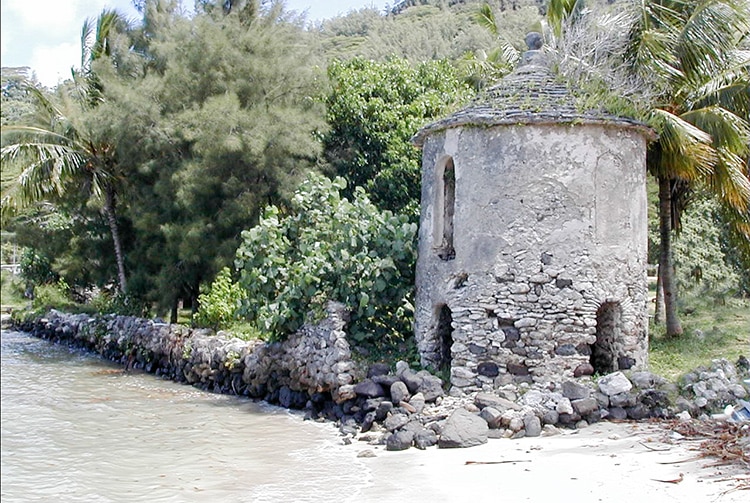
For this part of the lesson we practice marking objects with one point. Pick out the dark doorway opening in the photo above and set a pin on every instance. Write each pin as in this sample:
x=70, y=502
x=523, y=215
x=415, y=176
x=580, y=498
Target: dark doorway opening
x=605, y=350
x=444, y=335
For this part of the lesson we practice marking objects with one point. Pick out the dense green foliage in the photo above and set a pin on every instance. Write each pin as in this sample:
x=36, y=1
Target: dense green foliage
x=329, y=248
x=221, y=302
x=701, y=263
x=374, y=109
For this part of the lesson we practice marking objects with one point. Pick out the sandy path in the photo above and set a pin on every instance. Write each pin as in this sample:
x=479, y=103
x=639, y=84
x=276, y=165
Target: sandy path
x=606, y=462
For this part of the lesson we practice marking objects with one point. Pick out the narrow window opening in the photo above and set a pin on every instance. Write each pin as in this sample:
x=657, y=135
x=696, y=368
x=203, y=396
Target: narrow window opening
x=605, y=350
x=444, y=210
x=444, y=335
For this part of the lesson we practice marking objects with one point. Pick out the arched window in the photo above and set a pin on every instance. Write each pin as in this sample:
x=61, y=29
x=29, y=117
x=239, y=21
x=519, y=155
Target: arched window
x=445, y=203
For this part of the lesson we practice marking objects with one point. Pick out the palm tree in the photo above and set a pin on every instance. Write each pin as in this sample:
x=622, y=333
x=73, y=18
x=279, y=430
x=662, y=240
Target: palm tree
x=692, y=85
x=59, y=156
x=690, y=52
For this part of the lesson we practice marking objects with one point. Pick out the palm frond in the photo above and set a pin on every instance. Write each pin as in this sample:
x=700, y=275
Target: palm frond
x=726, y=129
x=47, y=168
x=711, y=33
x=686, y=150
x=729, y=181
x=728, y=87
x=485, y=17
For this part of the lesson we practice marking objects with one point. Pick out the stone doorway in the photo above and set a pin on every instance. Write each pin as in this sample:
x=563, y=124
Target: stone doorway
x=444, y=336
x=604, y=351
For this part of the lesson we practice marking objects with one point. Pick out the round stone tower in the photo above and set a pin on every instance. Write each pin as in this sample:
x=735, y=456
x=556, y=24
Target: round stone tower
x=532, y=244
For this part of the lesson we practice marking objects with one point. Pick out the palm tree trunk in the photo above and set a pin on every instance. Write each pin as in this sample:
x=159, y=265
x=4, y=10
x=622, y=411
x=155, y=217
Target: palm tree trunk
x=666, y=270
x=659, y=301
x=109, y=209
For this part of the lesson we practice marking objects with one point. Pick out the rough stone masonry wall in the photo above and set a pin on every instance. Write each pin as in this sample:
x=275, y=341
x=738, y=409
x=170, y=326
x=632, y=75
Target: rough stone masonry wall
x=315, y=363
x=549, y=228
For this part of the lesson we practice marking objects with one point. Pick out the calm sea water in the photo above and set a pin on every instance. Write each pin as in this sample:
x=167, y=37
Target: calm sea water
x=78, y=429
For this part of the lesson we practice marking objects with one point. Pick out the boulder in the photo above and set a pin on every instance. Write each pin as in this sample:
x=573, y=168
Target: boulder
x=399, y=392
x=412, y=380
x=617, y=414
x=399, y=440
x=378, y=369
x=564, y=406
x=396, y=421
x=574, y=390
x=463, y=429
x=614, y=383
x=431, y=388
x=585, y=406
x=369, y=389
x=386, y=380
x=418, y=402
x=644, y=380
x=532, y=425
x=492, y=416
x=483, y=400
x=425, y=438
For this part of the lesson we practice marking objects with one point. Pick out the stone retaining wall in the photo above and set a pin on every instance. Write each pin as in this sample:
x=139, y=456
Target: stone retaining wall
x=315, y=363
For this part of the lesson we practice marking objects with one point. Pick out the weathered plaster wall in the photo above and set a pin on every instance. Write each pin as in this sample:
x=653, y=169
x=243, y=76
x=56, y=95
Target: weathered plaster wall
x=549, y=224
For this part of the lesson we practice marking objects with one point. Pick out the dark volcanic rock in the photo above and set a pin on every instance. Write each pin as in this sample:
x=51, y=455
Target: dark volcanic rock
x=425, y=438
x=574, y=390
x=399, y=440
x=369, y=389
x=431, y=388
x=412, y=380
x=378, y=369
x=386, y=380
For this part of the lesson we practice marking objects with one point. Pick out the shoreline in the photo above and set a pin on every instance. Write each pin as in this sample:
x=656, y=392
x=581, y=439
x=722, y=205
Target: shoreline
x=607, y=461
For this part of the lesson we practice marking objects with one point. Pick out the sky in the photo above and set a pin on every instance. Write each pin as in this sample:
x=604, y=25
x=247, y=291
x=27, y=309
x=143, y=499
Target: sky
x=45, y=35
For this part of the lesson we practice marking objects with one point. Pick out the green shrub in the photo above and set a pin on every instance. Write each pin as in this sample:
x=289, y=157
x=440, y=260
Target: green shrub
x=52, y=296
x=327, y=248
x=118, y=303
x=36, y=268
x=220, y=303
x=12, y=289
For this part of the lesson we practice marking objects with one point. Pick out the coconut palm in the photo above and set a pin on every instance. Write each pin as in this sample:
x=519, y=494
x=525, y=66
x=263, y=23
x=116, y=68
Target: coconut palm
x=686, y=74
x=59, y=156
x=690, y=52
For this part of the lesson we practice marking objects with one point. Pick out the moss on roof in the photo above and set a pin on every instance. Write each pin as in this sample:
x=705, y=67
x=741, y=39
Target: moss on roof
x=529, y=95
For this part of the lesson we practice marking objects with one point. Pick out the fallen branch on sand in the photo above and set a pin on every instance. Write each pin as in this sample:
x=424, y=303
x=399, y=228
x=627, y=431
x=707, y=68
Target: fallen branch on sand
x=498, y=462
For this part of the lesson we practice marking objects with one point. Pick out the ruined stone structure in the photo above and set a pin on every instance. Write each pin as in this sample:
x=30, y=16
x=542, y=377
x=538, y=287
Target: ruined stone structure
x=532, y=245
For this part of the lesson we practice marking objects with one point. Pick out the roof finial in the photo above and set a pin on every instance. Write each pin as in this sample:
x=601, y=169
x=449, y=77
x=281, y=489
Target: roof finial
x=534, y=42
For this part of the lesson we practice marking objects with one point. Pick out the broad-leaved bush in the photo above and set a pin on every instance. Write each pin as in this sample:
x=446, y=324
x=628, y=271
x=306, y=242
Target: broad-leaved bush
x=327, y=248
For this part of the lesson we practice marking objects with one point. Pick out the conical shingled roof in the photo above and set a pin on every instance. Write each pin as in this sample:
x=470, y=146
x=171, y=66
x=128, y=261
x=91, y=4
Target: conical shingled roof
x=528, y=95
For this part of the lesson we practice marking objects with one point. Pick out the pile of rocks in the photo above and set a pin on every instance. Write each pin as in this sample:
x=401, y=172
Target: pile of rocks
x=709, y=390
x=466, y=421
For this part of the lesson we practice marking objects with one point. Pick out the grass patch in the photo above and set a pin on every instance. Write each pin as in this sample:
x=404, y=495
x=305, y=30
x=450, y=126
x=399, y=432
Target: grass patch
x=12, y=291
x=710, y=331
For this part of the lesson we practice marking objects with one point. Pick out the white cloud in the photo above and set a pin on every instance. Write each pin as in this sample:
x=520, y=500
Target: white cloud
x=52, y=16
x=52, y=63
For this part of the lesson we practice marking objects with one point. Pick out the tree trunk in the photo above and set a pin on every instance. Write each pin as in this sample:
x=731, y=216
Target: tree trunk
x=109, y=209
x=659, y=301
x=666, y=270
x=174, y=311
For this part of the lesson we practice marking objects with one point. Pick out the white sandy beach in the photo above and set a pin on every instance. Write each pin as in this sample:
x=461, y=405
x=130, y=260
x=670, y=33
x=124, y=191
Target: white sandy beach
x=606, y=462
